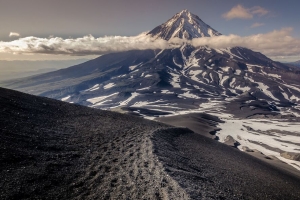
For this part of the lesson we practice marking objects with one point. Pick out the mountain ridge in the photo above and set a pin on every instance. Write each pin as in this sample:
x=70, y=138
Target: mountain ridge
x=296, y=63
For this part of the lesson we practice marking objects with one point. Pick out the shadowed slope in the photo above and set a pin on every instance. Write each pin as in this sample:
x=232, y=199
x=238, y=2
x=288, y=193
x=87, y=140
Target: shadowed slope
x=55, y=150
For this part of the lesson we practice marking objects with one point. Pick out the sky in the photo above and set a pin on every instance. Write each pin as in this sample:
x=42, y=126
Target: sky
x=54, y=28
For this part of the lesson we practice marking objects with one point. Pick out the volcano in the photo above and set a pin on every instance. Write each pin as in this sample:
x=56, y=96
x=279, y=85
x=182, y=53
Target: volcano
x=228, y=82
x=184, y=25
x=174, y=79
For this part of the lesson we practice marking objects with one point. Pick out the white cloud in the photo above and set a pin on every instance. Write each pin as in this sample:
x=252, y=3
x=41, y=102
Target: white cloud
x=87, y=45
x=14, y=34
x=257, y=25
x=240, y=12
x=275, y=43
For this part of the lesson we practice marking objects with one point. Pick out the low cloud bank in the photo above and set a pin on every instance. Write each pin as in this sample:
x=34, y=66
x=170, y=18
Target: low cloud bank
x=87, y=45
x=275, y=43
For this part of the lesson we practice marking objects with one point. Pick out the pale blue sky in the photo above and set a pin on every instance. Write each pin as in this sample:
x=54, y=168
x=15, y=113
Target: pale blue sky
x=76, y=18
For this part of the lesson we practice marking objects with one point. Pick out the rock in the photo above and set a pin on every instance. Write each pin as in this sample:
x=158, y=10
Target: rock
x=291, y=155
x=246, y=149
x=229, y=140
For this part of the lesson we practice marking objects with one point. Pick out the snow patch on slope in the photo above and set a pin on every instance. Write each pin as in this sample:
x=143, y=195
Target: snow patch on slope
x=95, y=87
x=134, y=66
x=175, y=80
x=98, y=99
x=66, y=98
x=109, y=85
x=133, y=95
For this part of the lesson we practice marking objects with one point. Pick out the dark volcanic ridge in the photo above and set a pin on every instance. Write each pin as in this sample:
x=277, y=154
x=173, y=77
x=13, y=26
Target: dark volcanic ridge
x=56, y=150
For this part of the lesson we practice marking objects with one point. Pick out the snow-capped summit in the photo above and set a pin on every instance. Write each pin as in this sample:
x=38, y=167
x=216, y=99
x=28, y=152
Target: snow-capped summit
x=184, y=25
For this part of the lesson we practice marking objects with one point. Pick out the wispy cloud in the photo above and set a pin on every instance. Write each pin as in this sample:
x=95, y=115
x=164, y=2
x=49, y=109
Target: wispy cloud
x=240, y=12
x=257, y=25
x=14, y=34
x=275, y=43
x=257, y=10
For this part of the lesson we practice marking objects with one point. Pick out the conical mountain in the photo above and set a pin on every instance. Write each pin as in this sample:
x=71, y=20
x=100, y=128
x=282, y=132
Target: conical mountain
x=174, y=80
x=184, y=25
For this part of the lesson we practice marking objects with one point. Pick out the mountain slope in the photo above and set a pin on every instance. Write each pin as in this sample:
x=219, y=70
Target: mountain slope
x=55, y=150
x=185, y=77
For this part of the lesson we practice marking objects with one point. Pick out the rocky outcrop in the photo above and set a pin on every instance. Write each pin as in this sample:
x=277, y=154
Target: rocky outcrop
x=229, y=140
x=291, y=156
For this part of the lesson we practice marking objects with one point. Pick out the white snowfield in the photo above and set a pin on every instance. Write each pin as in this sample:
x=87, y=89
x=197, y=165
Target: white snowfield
x=66, y=98
x=266, y=136
x=95, y=87
x=99, y=99
x=133, y=95
x=244, y=89
x=238, y=72
x=175, y=80
x=109, y=85
x=166, y=92
x=188, y=95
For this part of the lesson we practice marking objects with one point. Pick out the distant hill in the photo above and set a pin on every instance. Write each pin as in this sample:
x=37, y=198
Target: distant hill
x=23, y=68
x=296, y=63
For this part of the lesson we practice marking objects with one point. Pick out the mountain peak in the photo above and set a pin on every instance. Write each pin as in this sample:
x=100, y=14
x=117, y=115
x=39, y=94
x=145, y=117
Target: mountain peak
x=185, y=11
x=184, y=25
